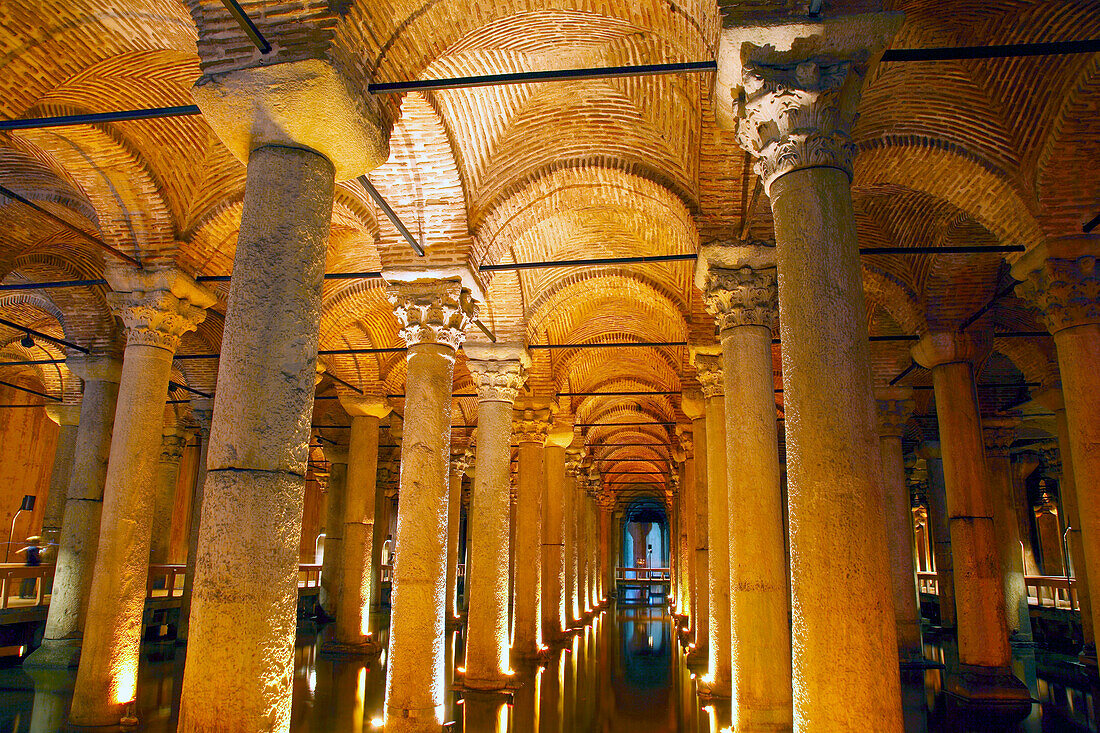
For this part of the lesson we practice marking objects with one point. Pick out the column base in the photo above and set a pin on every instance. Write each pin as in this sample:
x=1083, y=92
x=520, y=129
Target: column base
x=698, y=659
x=992, y=693
x=501, y=685
x=453, y=624
x=55, y=654
x=333, y=648
x=714, y=691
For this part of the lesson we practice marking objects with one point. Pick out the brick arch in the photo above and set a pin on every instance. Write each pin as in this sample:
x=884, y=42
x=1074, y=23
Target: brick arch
x=81, y=311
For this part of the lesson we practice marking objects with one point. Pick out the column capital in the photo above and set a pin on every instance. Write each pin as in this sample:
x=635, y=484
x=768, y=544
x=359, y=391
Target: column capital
x=998, y=434
x=64, y=413
x=791, y=89
x=463, y=463
x=708, y=366
x=172, y=443
x=498, y=370
x=1062, y=280
x=739, y=283
x=573, y=459
x=434, y=307
x=95, y=367
x=530, y=424
x=335, y=453
x=157, y=306
x=365, y=405
x=943, y=347
x=560, y=433
x=202, y=409
x=691, y=404
x=895, y=405
x=930, y=449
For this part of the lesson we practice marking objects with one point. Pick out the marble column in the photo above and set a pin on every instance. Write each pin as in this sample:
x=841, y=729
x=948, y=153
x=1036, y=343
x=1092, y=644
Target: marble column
x=332, y=564
x=608, y=542
x=718, y=680
x=498, y=374
x=434, y=307
x=353, y=634
x=173, y=441
x=985, y=678
x=584, y=600
x=460, y=463
x=941, y=532
x=202, y=410
x=67, y=417
x=685, y=509
x=691, y=403
x=157, y=308
x=998, y=434
x=797, y=87
x=1062, y=278
x=79, y=539
x=569, y=520
x=739, y=289
x=895, y=406
x=554, y=617
x=529, y=426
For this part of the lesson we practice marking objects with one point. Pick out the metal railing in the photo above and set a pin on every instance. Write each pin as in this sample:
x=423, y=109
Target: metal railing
x=165, y=581
x=12, y=579
x=928, y=582
x=1047, y=591
x=309, y=576
x=644, y=575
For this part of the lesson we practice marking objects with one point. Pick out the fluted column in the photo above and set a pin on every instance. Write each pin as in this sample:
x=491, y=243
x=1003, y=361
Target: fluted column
x=1063, y=281
x=738, y=282
x=554, y=617
x=202, y=410
x=157, y=308
x=529, y=426
x=332, y=564
x=498, y=374
x=998, y=434
x=172, y=444
x=985, y=678
x=795, y=89
x=67, y=417
x=79, y=540
x=434, y=314
x=691, y=403
x=895, y=406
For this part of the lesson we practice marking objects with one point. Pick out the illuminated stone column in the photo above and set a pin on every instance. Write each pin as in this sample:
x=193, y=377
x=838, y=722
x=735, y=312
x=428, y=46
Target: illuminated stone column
x=686, y=510
x=173, y=441
x=460, y=463
x=791, y=91
x=718, y=680
x=691, y=403
x=941, y=532
x=157, y=308
x=202, y=410
x=353, y=632
x=332, y=564
x=998, y=434
x=434, y=308
x=583, y=543
x=498, y=374
x=895, y=406
x=985, y=677
x=569, y=520
x=67, y=418
x=529, y=427
x=1063, y=281
x=554, y=616
x=738, y=282
x=83, y=504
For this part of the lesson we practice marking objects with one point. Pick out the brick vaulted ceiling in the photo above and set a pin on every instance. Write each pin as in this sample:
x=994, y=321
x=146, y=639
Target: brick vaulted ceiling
x=956, y=152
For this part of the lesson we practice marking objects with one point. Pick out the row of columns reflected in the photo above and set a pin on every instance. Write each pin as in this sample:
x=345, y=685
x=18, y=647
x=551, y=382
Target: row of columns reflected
x=849, y=522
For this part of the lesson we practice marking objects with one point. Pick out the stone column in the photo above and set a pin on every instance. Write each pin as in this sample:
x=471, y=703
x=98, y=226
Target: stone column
x=157, y=308
x=797, y=87
x=498, y=373
x=583, y=544
x=691, y=403
x=998, y=434
x=67, y=417
x=83, y=505
x=941, y=532
x=1062, y=280
x=569, y=519
x=172, y=444
x=529, y=426
x=353, y=633
x=608, y=542
x=434, y=309
x=686, y=521
x=985, y=677
x=460, y=462
x=554, y=617
x=895, y=406
x=739, y=289
x=718, y=680
x=202, y=410
x=332, y=564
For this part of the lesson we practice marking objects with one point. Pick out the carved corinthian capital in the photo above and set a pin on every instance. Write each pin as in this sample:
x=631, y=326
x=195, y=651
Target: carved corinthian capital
x=172, y=445
x=791, y=90
x=498, y=370
x=531, y=425
x=998, y=434
x=739, y=285
x=156, y=306
x=433, y=312
x=709, y=373
x=895, y=406
x=1062, y=280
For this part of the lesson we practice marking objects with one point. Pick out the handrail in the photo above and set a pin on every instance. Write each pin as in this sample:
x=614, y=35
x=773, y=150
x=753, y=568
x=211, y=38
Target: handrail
x=309, y=575
x=165, y=581
x=645, y=575
x=10, y=574
x=1047, y=591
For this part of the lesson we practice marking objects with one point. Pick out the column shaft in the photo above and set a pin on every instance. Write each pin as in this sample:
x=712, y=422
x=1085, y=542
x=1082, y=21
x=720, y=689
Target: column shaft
x=454, y=513
x=332, y=564
x=569, y=522
x=527, y=633
x=553, y=558
x=899, y=528
x=702, y=535
x=1076, y=540
x=941, y=538
x=202, y=412
x=164, y=500
x=67, y=417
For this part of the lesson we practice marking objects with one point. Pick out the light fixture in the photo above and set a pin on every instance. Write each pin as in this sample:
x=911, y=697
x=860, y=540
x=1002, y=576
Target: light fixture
x=26, y=342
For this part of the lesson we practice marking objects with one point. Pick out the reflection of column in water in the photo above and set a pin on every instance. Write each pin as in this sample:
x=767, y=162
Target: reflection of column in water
x=52, y=690
x=484, y=713
x=525, y=704
x=552, y=695
x=348, y=698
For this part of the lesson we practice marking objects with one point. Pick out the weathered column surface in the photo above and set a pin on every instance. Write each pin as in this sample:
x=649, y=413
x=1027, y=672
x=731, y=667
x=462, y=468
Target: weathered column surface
x=554, y=617
x=985, y=677
x=569, y=520
x=332, y=564
x=798, y=86
x=529, y=425
x=459, y=464
x=1063, y=281
x=434, y=310
x=941, y=532
x=717, y=682
x=691, y=403
x=157, y=308
x=202, y=410
x=998, y=434
x=686, y=523
x=83, y=505
x=739, y=288
x=172, y=444
x=498, y=374
x=67, y=417
x=895, y=406
x=353, y=634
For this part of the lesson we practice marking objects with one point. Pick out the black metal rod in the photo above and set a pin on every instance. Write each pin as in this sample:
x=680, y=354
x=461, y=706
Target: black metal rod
x=97, y=117
x=950, y=249
x=32, y=362
x=36, y=393
x=590, y=261
x=39, y=334
x=1010, y=50
x=607, y=345
x=54, y=284
x=1091, y=224
x=346, y=384
x=988, y=306
x=391, y=215
x=637, y=393
x=345, y=352
x=619, y=424
x=192, y=390
x=912, y=365
x=71, y=227
x=485, y=330
x=526, y=77
x=630, y=445
x=247, y=25
x=29, y=404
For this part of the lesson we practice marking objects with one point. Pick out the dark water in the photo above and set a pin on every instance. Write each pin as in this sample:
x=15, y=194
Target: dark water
x=625, y=673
